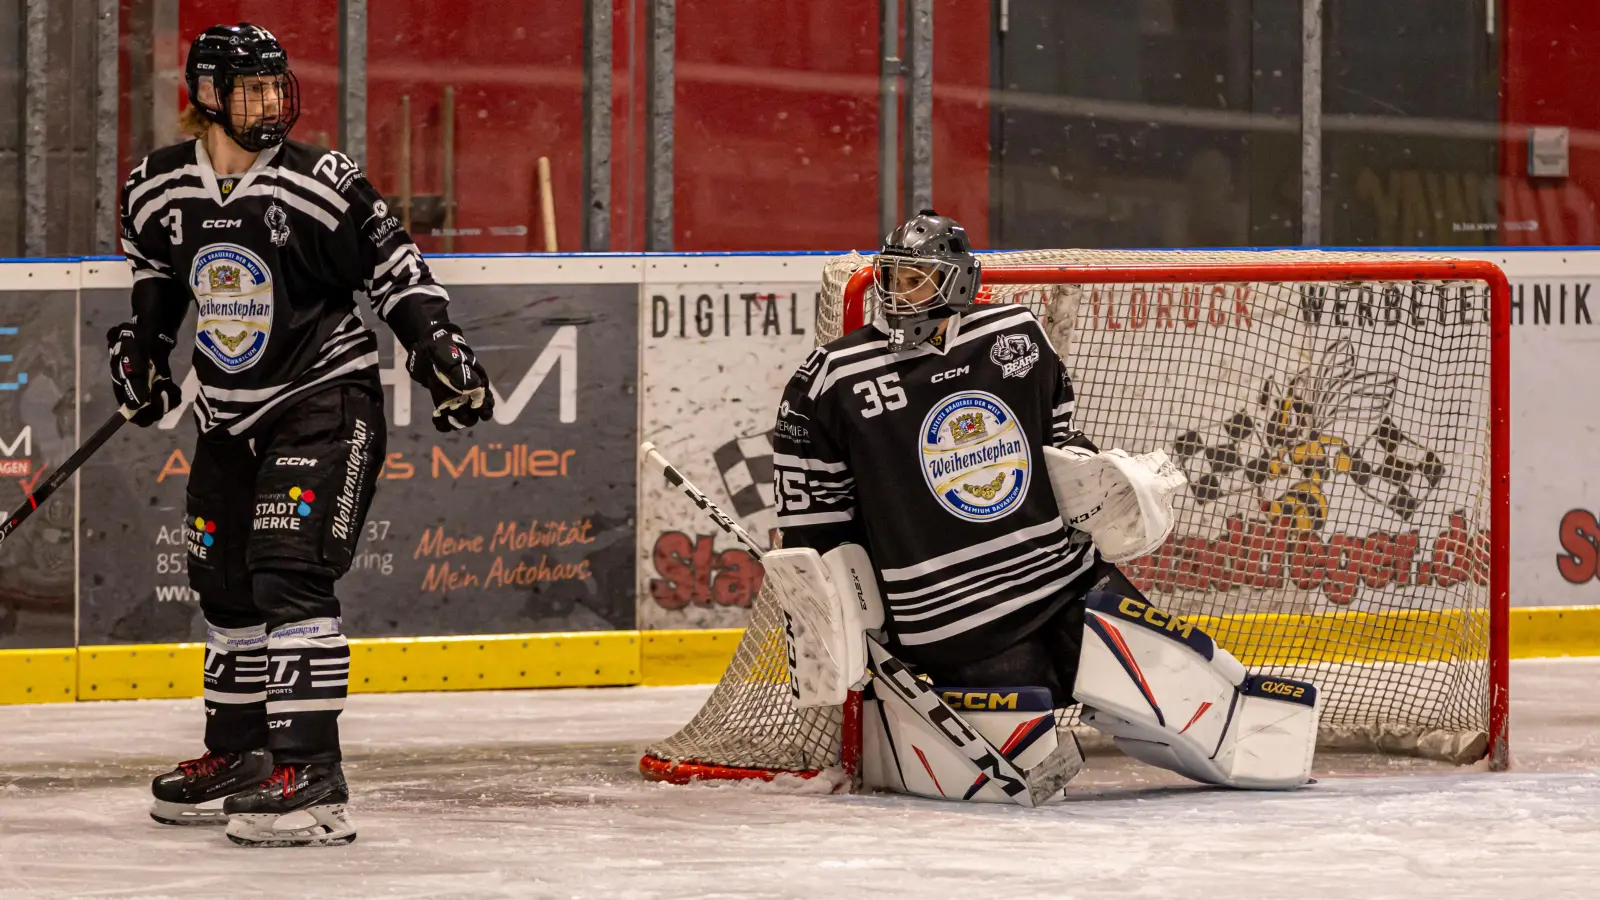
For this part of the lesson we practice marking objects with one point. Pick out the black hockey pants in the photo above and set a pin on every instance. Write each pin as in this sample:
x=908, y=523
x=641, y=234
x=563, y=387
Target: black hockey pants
x=272, y=523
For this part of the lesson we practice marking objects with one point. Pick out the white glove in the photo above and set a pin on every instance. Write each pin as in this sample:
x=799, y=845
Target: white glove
x=1124, y=502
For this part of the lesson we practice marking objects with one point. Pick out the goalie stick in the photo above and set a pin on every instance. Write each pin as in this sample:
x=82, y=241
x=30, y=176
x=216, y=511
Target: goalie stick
x=1027, y=789
x=66, y=470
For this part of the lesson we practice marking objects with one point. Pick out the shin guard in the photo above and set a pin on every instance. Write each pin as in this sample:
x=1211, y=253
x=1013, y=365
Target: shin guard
x=236, y=688
x=309, y=662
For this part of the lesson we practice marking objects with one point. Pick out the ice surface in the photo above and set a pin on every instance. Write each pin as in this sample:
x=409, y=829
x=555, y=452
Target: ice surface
x=534, y=794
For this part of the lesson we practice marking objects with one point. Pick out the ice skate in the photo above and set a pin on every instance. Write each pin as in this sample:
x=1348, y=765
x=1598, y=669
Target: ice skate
x=296, y=806
x=180, y=795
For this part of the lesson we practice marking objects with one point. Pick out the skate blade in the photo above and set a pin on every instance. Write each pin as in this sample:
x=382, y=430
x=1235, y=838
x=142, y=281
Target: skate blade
x=183, y=814
x=330, y=826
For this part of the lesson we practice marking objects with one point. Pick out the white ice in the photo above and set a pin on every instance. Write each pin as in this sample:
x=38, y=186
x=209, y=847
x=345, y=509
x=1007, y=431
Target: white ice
x=534, y=794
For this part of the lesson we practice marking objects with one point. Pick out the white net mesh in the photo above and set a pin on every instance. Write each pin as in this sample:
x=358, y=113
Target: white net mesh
x=1335, y=435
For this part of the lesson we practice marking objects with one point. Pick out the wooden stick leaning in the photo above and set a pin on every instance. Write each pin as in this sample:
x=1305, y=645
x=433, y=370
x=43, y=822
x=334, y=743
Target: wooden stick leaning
x=547, y=206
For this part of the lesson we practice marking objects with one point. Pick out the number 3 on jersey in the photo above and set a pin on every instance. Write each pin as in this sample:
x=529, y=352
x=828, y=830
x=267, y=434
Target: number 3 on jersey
x=893, y=396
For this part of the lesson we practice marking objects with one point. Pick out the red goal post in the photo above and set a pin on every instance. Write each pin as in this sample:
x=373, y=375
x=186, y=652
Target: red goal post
x=1408, y=626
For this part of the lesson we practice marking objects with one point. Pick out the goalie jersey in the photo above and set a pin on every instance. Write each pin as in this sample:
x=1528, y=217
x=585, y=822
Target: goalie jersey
x=931, y=458
x=271, y=258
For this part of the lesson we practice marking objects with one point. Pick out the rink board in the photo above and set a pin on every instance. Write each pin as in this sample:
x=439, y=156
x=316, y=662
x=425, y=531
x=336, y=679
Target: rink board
x=662, y=658
x=597, y=352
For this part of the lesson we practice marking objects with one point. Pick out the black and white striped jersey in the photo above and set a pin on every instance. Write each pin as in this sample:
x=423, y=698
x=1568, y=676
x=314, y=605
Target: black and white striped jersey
x=931, y=459
x=271, y=259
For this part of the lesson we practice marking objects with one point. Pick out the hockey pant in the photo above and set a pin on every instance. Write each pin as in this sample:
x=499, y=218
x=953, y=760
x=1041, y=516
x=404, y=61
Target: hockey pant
x=272, y=524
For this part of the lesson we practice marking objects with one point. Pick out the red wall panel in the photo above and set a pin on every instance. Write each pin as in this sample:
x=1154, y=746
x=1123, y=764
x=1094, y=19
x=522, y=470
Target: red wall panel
x=1549, y=78
x=776, y=138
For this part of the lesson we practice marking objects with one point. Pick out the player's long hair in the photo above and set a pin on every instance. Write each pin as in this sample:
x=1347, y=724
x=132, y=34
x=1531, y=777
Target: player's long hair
x=192, y=123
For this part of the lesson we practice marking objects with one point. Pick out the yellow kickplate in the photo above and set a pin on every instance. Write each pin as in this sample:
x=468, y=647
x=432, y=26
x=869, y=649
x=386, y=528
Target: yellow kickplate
x=469, y=662
x=38, y=676
x=140, y=671
x=1555, y=631
x=687, y=657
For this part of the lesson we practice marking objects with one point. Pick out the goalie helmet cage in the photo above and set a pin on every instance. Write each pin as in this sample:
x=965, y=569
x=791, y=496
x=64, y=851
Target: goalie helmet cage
x=1344, y=422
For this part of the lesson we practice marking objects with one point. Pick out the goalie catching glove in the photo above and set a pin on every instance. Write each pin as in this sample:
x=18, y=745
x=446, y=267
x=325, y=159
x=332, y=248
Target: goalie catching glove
x=1124, y=502
x=456, y=381
x=141, y=375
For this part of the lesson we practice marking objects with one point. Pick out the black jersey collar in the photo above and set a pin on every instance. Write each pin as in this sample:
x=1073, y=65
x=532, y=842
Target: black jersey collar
x=208, y=174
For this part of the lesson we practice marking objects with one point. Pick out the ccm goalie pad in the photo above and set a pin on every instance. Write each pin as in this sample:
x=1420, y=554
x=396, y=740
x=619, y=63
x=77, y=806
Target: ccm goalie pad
x=1169, y=696
x=829, y=602
x=1124, y=502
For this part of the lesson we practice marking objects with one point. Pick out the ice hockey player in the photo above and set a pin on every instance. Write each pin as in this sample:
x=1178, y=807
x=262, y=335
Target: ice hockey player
x=269, y=238
x=908, y=459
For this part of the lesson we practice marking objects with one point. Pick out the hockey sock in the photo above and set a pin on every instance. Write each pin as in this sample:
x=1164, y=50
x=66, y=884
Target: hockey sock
x=309, y=663
x=236, y=688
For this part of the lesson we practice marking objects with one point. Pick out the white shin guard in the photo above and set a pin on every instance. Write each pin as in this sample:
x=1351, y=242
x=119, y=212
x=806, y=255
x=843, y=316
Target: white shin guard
x=1169, y=696
x=905, y=754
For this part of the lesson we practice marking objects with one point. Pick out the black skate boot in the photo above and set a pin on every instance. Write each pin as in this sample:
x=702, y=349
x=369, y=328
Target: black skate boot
x=180, y=793
x=275, y=814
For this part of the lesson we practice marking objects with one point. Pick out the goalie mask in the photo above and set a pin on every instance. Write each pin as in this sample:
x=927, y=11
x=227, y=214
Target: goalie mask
x=257, y=97
x=925, y=272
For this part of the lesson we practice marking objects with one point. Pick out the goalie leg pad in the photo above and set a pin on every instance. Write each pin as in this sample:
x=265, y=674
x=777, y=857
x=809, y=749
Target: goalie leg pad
x=1169, y=696
x=904, y=754
x=830, y=601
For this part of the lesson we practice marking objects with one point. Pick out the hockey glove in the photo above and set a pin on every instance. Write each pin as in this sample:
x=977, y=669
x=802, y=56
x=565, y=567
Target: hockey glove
x=141, y=376
x=445, y=365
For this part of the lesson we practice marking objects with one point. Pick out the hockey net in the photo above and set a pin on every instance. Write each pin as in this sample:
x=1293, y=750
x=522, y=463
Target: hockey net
x=1342, y=419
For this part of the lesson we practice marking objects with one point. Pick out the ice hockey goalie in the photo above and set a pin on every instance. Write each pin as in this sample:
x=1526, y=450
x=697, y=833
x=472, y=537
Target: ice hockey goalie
x=947, y=526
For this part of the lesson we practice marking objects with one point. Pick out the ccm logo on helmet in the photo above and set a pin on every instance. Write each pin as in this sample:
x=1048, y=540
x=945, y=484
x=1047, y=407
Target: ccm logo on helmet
x=953, y=373
x=295, y=461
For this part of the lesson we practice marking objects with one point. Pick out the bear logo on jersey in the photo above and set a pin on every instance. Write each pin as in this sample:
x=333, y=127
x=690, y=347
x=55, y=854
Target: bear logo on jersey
x=975, y=456
x=1015, y=354
x=278, y=223
x=233, y=289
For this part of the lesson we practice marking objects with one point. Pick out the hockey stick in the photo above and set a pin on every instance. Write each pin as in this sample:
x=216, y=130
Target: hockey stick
x=65, y=471
x=1028, y=789
x=650, y=453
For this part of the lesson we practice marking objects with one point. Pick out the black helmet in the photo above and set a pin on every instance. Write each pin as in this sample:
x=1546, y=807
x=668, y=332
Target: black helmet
x=929, y=257
x=224, y=53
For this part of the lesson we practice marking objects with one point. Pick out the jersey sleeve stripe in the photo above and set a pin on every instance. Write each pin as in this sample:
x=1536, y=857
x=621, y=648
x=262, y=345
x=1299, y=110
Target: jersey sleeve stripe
x=784, y=460
x=141, y=274
x=139, y=192
x=1065, y=409
x=816, y=518
x=988, y=328
x=400, y=253
x=311, y=185
x=393, y=299
x=973, y=552
x=161, y=200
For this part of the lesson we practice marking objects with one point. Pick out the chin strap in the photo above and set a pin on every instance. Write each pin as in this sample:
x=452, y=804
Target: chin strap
x=906, y=332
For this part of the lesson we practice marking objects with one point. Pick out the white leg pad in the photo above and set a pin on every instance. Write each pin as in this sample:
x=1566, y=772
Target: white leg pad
x=901, y=752
x=1169, y=696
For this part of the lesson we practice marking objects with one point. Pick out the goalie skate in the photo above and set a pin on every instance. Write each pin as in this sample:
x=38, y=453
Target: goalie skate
x=297, y=806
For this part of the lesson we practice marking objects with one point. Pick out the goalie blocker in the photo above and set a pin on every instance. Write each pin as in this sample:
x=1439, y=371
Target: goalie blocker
x=1159, y=686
